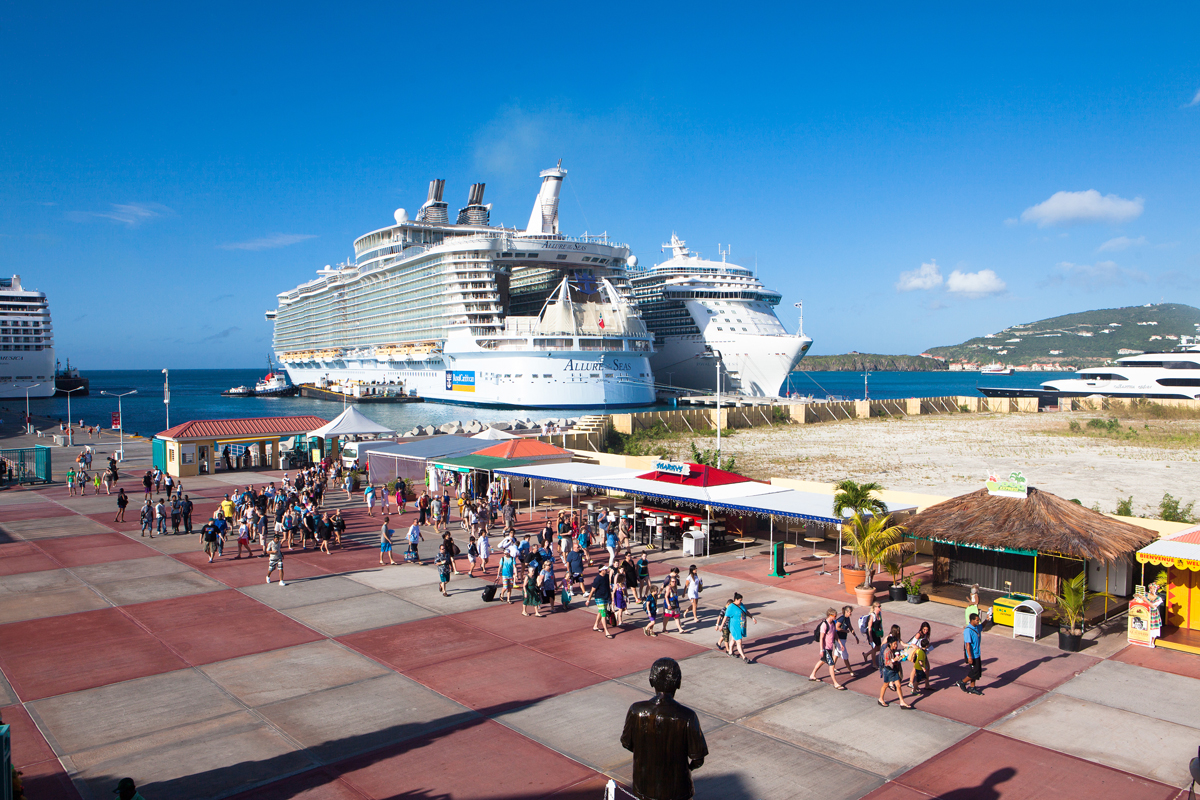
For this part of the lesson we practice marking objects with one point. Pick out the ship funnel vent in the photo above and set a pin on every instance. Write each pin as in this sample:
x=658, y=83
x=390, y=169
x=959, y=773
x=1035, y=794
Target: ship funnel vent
x=475, y=212
x=434, y=210
x=544, y=217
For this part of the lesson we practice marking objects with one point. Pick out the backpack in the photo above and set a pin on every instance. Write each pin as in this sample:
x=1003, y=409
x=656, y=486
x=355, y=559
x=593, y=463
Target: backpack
x=864, y=624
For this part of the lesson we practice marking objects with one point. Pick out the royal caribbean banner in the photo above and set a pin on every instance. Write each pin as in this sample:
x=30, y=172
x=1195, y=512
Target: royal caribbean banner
x=460, y=380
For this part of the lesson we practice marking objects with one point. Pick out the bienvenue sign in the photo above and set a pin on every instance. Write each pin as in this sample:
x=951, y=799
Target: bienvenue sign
x=1015, y=485
x=673, y=468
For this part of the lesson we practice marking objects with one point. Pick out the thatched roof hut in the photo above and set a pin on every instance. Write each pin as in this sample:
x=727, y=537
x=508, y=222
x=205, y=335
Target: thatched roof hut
x=1041, y=522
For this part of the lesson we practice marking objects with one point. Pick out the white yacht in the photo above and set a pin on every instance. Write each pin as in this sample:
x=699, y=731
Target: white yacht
x=700, y=310
x=1160, y=376
x=472, y=313
x=26, y=341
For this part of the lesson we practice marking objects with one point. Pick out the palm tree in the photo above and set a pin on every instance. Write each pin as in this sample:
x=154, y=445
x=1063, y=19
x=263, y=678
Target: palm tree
x=858, y=498
x=874, y=540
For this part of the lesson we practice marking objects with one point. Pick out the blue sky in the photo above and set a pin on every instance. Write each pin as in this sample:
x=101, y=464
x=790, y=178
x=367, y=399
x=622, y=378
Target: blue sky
x=915, y=176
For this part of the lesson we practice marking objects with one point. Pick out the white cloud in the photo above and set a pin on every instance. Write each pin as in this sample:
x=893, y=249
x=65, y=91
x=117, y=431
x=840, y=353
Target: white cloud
x=927, y=276
x=1121, y=243
x=975, y=284
x=1068, y=208
x=1090, y=277
x=129, y=214
x=1196, y=99
x=269, y=242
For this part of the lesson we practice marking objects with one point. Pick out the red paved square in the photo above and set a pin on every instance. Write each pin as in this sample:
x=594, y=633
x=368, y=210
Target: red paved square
x=627, y=652
x=20, y=557
x=219, y=625
x=987, y=765
x=413, y=645
x=56, y=655
x=503, y=679
x=236, y=573
x=1161, y=659
x=317, y=784
x=506, y=621
x=46, y=780
x=33, y=511
x=28, y=745
x=894, y=791
x=478, y=761
x=96, y=548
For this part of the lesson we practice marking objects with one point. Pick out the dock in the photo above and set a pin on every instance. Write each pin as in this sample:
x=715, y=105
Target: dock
x=324, y=394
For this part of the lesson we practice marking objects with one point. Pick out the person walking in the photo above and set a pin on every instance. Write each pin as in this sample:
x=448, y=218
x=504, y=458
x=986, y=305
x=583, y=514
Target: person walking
x=508, y=571
x=601, y=592
x=972, y=644
x=826, y=636
x=532, y=597
x=874, y=632
x=369, y=495
x=845, y=626
x=385, y=543
x=186, y=511
x=210, y=537
x=546, y=582
x=147, y=518
x=737, y=625
x=414, y=538
x=723, y=627
x=244, y=540
x=671, y=610
x=122, y=503
x=384, y=498
x=275, y=558
x=693, y=586
x=890, y=658
x=71, y=482
x=442, y=561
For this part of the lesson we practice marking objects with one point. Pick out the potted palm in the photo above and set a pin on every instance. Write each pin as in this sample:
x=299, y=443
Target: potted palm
x=850, y=499
x=872, y=540
x=893, y=562
x=1072, y=603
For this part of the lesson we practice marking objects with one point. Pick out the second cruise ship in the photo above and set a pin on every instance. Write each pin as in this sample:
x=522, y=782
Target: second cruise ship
x=467, y=312
x=700, y=311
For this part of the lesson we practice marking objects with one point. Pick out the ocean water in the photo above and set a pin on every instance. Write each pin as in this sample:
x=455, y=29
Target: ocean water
x=196, y=394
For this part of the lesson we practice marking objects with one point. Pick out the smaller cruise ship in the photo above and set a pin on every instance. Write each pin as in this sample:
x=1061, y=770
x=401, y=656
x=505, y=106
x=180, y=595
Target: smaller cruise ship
x=698, y=310
x=26, y=341
x=1160, y=376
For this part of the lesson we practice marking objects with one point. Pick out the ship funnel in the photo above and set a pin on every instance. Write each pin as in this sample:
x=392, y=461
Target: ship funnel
x=434, y=210
x=544, y=217
x=475, y=212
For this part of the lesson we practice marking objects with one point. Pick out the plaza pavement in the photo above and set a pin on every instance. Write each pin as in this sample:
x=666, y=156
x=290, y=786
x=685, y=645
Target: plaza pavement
x=123, y=655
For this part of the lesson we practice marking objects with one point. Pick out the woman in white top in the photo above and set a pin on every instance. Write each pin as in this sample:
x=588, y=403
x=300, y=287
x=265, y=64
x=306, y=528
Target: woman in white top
x=693, y=585
x=485, y=549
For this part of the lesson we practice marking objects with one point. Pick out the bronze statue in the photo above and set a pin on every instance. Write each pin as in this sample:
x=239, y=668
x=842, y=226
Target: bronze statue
x=665, y=739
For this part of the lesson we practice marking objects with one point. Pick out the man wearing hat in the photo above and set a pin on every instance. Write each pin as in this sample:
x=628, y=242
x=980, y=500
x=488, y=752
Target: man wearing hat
x=127, y=790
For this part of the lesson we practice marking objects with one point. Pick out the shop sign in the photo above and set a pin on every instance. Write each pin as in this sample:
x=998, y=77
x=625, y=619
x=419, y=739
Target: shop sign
x=1015, y=485
x=1139, y=622
x=116, y=420
x=673, y=468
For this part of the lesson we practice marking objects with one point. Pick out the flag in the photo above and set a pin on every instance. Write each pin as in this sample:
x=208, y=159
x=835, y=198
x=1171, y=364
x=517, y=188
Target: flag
x=601, y=322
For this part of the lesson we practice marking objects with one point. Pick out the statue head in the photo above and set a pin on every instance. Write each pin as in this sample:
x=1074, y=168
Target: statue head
x=665, y=676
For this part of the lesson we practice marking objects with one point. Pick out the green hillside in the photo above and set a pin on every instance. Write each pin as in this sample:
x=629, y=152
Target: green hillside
x=869, y=362
x=1089, y=337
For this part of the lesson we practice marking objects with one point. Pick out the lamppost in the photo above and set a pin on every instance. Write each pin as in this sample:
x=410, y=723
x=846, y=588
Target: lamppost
x=27, y=388
x=70, y=423
x=120, y=419
x=866, y=389
x=167, y=396
x=800, y=307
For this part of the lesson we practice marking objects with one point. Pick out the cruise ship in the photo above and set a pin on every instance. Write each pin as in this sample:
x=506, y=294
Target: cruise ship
x=26, y=341
x=1161, y=376
x=700, y=311
x=472, y=313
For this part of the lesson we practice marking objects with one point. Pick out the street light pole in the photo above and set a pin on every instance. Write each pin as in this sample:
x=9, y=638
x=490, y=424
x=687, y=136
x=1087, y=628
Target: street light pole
x=120, y=418
x=167, y=396
x=70, y=422
x=717, y=353
x=27, y=388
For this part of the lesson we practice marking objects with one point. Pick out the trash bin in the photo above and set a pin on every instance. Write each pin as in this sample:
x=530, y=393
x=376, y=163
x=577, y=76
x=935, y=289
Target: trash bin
x=695, y=543
x=1002, y=610
x=1027, y=619
x=777, y=560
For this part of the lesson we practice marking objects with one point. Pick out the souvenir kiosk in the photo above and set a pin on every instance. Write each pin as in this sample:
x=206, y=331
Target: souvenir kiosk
x=1179, y=557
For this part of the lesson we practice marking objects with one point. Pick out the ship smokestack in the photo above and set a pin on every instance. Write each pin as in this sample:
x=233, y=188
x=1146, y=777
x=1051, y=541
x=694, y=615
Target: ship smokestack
x=475, y=212
x=434, y=210
x=544, y=217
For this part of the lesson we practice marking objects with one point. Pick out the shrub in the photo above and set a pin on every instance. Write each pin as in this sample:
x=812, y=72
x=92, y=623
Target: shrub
x=1171, y=510
x=1125, y=507
x=1074, y=427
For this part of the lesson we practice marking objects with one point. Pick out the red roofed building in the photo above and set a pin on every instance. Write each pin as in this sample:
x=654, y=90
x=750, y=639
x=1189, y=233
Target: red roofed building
x=700, y=475
x=526, y=450
x=191, y=448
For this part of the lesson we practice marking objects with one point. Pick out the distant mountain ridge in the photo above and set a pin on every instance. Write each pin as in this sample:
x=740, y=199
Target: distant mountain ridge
x=869, y=362
x=1085, y=338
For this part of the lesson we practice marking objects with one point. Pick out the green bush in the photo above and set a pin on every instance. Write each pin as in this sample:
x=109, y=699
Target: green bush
x=1125, y=507
x=1171, y=510
x=1075, y=427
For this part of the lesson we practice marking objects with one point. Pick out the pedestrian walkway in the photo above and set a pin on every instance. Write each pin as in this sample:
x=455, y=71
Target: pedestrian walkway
x=123, y=655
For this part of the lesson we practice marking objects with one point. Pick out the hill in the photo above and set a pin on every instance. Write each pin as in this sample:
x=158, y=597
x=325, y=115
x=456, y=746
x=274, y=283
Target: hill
x=869, y=362
x=1083, y=339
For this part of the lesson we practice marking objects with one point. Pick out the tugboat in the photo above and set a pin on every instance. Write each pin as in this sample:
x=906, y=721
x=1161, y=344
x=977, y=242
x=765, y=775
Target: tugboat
x=69, y=380
x=275, y=384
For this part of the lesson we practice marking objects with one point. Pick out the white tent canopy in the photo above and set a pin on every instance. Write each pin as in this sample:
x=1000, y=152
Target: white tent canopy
x=495, y=433
x=349, y=423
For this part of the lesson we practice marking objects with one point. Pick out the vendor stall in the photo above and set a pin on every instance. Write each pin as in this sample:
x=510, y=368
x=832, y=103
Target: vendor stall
x=1022, y=541
x=1179, y=557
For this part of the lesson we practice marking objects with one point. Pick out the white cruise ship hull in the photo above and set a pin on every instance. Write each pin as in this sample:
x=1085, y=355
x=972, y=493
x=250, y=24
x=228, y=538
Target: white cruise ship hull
x=555, y=379
x=21, y=368
x=756, y=366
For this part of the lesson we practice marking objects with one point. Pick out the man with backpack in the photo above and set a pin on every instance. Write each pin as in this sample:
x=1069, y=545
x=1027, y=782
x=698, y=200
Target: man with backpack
x=845, y=626
x=871, y=625
x=826, y=637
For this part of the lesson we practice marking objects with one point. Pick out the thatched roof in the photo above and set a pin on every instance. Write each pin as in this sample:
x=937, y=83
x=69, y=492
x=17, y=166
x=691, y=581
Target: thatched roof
x=1041, y=522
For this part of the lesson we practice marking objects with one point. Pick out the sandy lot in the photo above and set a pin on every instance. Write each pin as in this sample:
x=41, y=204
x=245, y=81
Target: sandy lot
x=949, y=455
